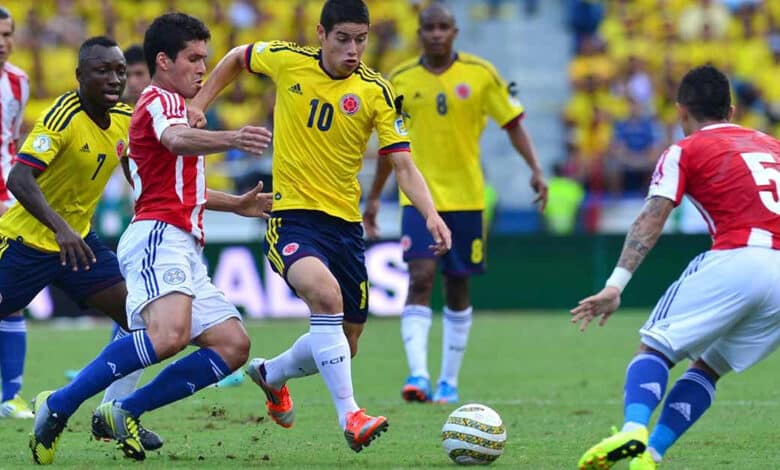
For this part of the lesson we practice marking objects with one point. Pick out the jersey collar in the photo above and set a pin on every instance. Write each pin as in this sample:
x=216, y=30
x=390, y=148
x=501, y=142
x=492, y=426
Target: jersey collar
x=319, y=61
x=718, y=126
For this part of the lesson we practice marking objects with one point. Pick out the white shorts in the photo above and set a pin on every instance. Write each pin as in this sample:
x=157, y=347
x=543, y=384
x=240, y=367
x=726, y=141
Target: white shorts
x=157, y=259
x=724, y=309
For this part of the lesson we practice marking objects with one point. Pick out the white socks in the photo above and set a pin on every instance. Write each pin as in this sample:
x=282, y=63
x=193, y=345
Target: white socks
x=295, y=362
x=415, y=325
x=456, y=334
x=331, y=354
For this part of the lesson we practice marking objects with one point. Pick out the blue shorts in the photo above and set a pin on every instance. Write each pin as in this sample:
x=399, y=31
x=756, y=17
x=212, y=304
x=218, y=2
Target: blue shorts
x=25, y=271
x=294, y=234
x=467, y=255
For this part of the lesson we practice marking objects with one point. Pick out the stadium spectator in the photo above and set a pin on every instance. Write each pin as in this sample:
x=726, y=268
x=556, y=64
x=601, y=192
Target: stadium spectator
x=635, y=145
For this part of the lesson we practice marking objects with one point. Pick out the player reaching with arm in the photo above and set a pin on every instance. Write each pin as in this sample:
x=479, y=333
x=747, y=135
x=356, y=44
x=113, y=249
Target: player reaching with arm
x=722, y=313
x=447, y=97
x=14, y=93
x=169, y=291
x=327, y=104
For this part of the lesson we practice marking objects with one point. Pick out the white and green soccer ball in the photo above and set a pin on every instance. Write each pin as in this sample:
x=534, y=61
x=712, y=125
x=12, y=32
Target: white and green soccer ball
x=473, y=435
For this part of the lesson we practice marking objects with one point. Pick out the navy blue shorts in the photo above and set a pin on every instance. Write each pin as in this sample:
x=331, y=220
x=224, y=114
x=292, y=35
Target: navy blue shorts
x=467, y=255
x=294, y=234
x=25, y=271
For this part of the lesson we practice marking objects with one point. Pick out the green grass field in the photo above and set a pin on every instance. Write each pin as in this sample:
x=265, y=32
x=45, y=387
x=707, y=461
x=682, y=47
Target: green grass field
x=557, y=390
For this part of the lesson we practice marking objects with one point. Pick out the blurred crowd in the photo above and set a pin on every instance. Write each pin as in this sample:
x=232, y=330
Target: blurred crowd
x=628, y=57
x=48, y=33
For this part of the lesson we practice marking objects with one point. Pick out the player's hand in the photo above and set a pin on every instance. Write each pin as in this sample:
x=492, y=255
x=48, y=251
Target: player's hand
x=602, y=304
x=74, y=250
x=196, y=117
x=539, y=185
x=252, y=139
x=369, y=219
x=442, y=237
x=255, y=203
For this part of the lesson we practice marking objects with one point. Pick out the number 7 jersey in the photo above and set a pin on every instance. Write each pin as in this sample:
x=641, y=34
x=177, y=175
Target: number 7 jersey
x=730, y=173
x=76, y=158
x=321, y=127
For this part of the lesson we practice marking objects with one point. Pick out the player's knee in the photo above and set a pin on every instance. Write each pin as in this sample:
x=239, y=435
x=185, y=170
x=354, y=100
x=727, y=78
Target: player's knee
x=169, y=342
x=325, y=298
x=235, y=352
x=421, y=282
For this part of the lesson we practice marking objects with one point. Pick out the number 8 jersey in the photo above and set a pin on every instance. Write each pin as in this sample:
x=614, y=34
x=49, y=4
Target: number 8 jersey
x=76, y=158
x=321, y=127
x=730, y=173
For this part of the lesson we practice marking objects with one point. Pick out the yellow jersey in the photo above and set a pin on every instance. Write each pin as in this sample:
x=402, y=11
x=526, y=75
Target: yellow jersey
x=76, y=158
x=445, y=116
x=322, y=126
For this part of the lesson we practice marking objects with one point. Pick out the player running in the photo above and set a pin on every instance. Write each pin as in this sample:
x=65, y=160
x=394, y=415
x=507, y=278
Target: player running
x=447, y=98
x=169, y=292
x=327, y=104
x=724, y=311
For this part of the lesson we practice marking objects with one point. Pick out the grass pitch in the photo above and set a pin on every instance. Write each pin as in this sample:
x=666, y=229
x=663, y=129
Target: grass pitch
x=558, y=391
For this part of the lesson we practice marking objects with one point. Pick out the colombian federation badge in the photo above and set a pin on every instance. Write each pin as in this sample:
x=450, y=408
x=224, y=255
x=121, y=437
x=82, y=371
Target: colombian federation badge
x=120, y=148
x=463, y=91
x=349, y=104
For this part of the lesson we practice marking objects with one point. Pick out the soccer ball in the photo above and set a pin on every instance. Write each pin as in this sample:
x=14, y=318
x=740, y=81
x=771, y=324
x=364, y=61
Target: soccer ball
x=473, y=435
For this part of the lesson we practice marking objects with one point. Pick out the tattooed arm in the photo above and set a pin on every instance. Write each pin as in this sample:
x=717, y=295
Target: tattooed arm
x=644, y=232
x=640, y=240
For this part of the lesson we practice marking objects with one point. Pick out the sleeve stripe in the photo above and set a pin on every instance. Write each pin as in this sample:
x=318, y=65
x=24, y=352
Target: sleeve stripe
x=60, y=110
x=666, y=179
x=248, y=57
x=389, y=98
x=29, y=160
x=514, y=121
x=68, y=119
x=479, y=64
x=397, y=147
x=65, y=115
x=56, y=107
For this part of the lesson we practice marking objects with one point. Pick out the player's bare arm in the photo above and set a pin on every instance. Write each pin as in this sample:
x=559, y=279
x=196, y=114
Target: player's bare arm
x=223, y=74
x=641, y=238
x=253, y=203
x=412, y=183
x=183, y=140
x=521, y=141
x=73, y=249
x=124, y=162
x=383, y=169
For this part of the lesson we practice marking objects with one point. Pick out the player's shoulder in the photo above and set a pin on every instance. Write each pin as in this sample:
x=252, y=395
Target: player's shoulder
x=61, y=112
x=14, y=70
x=478, y=65
x=376, y=82
x=122, y=109
x=287, y=49
x=405, y=67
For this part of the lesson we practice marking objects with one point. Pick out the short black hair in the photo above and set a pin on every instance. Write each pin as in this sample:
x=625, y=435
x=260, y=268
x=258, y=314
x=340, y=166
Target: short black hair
x=705, y=91
x=134, y=54
x=102, y=41
x=343, y=11
x=170, y=33
x=5, y=14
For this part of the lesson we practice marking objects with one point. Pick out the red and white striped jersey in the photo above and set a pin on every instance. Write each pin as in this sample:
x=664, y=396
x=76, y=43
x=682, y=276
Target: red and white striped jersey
x=732, y=175
x=14, y=93
x=167, y=187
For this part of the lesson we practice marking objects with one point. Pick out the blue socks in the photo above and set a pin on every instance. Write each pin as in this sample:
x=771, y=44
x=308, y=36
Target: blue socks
x=179, y=380
x=119, y=358
x=690, y=397
x=13, y=349
x=646, y=379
